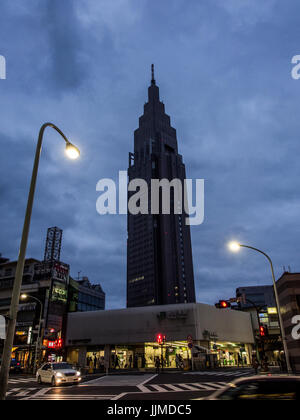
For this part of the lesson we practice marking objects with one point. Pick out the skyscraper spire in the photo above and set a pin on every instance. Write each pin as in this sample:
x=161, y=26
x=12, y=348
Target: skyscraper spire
x=152, y=72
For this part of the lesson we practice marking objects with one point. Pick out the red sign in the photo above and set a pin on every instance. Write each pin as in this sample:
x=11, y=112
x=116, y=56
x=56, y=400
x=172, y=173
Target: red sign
x=51, y=345
x=57, y=344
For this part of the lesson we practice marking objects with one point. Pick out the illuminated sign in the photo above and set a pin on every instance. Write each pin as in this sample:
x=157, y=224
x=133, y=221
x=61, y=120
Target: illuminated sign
x=57, y=344
x=59, y=293
x=272, y=311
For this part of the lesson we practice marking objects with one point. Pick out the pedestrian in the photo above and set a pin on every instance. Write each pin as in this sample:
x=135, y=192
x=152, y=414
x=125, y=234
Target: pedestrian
x=239, y=360
x=117, y=363
x=130, y=361
x=157, y=364
x=177, y=361
x=255, y=365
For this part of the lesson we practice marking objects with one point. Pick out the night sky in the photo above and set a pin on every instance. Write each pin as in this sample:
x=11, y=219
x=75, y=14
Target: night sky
x=224, y=72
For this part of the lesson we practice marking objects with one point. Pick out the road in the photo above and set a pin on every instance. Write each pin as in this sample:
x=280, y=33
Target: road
x=166, y=386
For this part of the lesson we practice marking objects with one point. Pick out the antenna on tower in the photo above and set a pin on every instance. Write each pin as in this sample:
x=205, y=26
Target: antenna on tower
x=152, y=75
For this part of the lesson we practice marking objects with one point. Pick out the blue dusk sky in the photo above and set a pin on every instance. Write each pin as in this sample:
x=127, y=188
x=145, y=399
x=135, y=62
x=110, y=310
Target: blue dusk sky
x=224, y=72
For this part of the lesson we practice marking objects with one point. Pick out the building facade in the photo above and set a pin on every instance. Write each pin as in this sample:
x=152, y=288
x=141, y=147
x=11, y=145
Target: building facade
x=288, y=286
x=85, y=296
x=159, y=252
x=47, y=286
x=126, y=338
x=260, y=302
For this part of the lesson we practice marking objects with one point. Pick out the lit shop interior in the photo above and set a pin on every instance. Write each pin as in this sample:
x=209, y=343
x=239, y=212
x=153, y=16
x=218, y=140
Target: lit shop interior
x=143, y=356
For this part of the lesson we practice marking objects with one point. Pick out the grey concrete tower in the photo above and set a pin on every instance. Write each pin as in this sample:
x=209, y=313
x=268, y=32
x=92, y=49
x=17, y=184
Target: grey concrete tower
x=159, y=252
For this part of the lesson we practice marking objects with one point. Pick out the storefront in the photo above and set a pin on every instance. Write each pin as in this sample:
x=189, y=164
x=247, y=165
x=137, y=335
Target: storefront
x=126, y=339
x=231, y=354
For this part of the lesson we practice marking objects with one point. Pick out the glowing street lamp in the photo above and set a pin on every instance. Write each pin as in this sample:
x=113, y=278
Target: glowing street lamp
x=235, y=247
x=72, y=153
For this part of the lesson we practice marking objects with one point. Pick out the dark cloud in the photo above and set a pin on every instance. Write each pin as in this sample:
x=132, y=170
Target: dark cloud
x=224, y=74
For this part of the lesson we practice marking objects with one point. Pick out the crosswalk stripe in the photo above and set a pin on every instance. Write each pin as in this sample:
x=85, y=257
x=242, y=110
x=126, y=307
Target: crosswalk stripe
x=158, y=388
x=173, y=387
x=206, y=387
x=189, y=387
x=223, y=373
x=23, y=393
x=215, y=385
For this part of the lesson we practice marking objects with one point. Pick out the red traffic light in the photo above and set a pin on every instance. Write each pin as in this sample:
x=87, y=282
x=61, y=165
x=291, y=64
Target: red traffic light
x=262, y=331
x=160, y=338
x=223, y=304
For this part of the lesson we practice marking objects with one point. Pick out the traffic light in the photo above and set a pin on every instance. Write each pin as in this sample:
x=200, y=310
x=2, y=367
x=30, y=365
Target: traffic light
x=223, y=304
x=160, y=338
x=263, y=331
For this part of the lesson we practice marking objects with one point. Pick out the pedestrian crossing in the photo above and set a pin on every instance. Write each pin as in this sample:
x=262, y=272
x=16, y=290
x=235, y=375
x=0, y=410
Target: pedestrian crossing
x=21, y=392
x=43, y=394
x=48, y=394
x=64, y=397
x=235, y=373
x=16, y=381
x=181, y=387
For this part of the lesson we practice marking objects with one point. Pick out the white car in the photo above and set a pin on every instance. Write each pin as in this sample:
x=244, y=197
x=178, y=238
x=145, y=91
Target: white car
x=58, y=374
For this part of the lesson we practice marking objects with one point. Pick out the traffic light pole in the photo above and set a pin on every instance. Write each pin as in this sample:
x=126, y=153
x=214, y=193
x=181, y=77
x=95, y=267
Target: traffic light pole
x=283, y=337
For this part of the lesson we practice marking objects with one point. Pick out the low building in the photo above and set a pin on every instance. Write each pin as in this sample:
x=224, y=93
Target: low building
x=126, y=338
x=288, y=286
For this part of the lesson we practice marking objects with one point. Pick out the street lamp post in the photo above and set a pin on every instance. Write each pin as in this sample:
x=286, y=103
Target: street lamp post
x=37, y=344
x=234, y=246
x=72, y=153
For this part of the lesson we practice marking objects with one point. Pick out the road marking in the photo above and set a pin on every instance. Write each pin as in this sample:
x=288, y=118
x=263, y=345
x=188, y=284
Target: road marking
x=157, y=388
x=189, y=387
x=173, y=387
x=59, y=397
x=222, y=373
x=42, y=391
x=20, y=380
x=117, y=397
x=206, y=387
x=142, y=387
x=13, y=390
x=25, y=392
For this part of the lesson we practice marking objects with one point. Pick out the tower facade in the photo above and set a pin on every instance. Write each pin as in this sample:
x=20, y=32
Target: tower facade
x=159, y=252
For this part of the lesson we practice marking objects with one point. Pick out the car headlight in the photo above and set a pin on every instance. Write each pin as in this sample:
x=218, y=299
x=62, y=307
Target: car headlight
x=59, y=375
x=78, y=373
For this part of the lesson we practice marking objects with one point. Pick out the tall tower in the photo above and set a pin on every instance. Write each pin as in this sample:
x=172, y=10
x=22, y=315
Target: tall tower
x=159, y=252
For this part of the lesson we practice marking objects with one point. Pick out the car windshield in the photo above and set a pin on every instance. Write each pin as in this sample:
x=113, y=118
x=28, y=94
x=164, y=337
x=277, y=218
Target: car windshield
x=61, y=366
